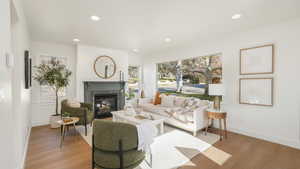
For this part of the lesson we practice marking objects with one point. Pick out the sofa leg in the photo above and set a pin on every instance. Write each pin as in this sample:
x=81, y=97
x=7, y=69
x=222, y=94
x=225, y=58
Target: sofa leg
x=195, y=133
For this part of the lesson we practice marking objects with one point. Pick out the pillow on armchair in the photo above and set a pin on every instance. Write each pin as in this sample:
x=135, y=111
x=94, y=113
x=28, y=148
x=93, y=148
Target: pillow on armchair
x=73, y=103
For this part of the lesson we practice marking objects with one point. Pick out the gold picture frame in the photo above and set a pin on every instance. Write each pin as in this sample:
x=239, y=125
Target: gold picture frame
x=257, y=60
x=111, y=64
x=259, y=89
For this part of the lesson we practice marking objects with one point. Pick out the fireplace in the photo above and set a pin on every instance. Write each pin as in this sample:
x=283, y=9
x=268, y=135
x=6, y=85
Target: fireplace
x=105, y=97
x=104, y=104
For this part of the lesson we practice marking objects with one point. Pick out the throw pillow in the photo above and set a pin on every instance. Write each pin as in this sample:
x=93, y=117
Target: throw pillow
x=157, y=99
x=167, y=101
x=73, y=103
x=203, y=103
x=179, y=101
x=191, y=103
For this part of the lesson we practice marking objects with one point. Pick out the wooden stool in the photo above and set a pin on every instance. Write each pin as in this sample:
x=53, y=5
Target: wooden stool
x=218, y=115
x=65, y=125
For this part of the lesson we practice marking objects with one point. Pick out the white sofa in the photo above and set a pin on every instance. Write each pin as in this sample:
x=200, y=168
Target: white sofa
x=181, y=114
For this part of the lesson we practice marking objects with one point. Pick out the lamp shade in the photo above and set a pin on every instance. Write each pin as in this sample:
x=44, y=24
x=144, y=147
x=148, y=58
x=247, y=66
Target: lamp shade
x=216, y=90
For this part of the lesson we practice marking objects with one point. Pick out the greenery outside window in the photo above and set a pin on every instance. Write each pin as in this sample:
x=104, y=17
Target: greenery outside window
x=189, y=77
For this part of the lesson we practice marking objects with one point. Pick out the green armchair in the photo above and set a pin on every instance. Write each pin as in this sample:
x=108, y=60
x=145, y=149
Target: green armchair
x=114, y=145
x=84, y=112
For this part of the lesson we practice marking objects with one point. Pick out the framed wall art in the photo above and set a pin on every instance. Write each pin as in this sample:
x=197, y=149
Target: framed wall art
x=257, y=60
x=30, y=72
x=256, y=91
x=27, y=70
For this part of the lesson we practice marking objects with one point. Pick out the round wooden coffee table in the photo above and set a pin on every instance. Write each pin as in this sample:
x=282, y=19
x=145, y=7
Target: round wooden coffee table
x=71, y=122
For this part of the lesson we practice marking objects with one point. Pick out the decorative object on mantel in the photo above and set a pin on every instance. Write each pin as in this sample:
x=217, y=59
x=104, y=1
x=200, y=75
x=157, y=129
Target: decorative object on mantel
x=142, y=93
x=57, y=76
x=218, y=91
x=105, y=67
x=256, y=91
x=121, y=76
x=257, y=60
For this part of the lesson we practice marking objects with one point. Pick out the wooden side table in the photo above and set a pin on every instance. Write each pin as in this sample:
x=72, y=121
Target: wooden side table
x=63, y=124
x=217, y=115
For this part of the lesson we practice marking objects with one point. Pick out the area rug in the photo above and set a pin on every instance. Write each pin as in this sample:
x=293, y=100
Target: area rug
x=175, y=148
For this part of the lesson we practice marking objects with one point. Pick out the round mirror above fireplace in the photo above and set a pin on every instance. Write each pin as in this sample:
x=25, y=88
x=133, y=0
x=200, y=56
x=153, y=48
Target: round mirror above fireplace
x=105, y=67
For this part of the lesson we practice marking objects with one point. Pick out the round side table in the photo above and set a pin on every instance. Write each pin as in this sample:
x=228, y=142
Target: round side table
x=73, y=121
x=220, y=115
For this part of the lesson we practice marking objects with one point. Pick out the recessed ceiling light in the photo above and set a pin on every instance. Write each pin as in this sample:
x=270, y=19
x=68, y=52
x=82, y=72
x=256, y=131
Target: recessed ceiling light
x=236, y=16
x=168, y=40
x=135, y=50
x=76, y=40
x=95, y=18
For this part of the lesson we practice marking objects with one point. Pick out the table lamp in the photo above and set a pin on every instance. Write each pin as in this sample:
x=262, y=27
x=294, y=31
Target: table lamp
x=218, y=91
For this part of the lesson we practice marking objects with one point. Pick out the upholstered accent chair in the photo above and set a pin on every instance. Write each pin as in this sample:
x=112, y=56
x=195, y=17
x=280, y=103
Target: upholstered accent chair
x=114, y=145
x=84, y=112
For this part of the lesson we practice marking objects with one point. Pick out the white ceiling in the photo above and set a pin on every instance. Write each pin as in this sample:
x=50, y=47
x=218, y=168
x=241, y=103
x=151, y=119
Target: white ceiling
x=143, y=24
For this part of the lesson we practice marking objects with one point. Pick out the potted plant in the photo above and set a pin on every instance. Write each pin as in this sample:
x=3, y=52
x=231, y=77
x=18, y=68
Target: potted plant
x=57, y=76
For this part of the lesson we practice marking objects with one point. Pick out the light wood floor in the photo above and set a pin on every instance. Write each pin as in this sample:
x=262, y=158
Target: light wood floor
x=247, y=153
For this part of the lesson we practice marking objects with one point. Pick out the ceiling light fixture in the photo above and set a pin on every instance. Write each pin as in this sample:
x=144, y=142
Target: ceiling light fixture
x=168, y=40
x=236, y=16
x=95, y=18
x=135, y=50
x=76, y=40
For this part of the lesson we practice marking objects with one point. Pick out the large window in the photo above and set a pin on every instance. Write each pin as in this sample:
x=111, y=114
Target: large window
x=189, y=77
x=166, y=76
x=133, y=80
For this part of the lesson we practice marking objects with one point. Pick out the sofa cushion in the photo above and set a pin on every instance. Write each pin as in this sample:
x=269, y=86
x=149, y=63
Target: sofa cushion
x=194, y=103
x=167, y=101
x=181, y=114
x=157, y=109
x=179, y=101
x=187, y=117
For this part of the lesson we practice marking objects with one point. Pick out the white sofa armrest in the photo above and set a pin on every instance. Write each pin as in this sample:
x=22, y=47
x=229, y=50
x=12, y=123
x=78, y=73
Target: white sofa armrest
x=200, y=118
x=145, y=100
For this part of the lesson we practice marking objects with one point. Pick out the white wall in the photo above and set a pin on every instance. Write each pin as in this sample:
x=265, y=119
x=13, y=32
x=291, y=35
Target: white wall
x=134, y=59
x=41, y=112
x=6, y=144
x=280, y=123
x=86, y=55
x=21, y=96
x=15, y=99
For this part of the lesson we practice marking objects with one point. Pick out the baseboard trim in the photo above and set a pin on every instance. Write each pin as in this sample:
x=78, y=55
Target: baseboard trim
x=40, y=123
x=25, y=149
x=286, y=142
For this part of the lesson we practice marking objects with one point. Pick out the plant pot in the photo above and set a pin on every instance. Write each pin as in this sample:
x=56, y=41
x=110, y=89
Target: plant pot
x=53, y=121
